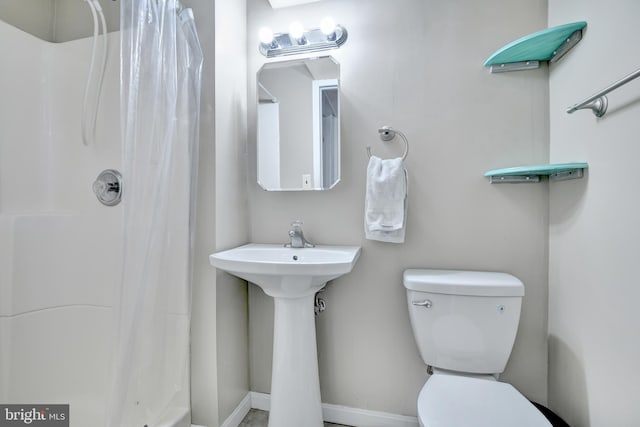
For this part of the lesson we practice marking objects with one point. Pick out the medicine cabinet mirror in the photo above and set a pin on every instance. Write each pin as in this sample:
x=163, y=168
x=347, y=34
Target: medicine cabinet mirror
x=298, y=124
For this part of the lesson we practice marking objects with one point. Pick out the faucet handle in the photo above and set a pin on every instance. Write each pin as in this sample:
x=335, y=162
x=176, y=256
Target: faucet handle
x=296, y=236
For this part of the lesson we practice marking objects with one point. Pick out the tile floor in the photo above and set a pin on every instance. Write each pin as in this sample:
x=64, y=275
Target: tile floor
x=258, y=418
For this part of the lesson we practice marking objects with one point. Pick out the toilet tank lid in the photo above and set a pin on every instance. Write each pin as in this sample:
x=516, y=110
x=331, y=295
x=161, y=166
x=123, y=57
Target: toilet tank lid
x=459, y=282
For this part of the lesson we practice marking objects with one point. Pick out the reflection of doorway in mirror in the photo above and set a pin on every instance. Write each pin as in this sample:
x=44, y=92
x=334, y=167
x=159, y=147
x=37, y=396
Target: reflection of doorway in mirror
x=326, y=128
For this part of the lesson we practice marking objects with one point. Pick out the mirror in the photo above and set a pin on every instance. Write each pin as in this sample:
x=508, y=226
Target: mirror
x=298, y=127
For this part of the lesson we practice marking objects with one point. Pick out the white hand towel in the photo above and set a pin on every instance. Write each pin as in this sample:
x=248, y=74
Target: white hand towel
x=386, y=200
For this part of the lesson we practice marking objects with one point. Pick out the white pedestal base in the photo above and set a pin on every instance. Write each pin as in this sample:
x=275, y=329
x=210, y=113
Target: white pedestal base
x=295, y=384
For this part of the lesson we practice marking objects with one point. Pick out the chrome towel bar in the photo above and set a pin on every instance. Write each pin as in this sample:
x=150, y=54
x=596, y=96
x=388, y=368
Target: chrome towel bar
x=598, y=103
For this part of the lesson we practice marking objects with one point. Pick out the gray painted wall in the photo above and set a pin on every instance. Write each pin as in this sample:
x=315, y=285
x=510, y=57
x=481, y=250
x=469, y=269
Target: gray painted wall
x=57, y=20
x=34, y=17
x=415, y=65
x=73, y=19
x=594, y=238
x=231, y=217
x=204, y=374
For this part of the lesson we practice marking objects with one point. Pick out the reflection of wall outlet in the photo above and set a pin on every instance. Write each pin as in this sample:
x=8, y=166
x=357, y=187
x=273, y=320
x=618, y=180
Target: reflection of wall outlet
x=306, y=182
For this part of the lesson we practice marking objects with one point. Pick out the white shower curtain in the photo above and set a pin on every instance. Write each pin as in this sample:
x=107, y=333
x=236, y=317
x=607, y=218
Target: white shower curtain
x=161, y=63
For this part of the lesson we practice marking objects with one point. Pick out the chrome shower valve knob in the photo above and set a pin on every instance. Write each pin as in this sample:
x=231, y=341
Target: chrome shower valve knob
x=108, y=187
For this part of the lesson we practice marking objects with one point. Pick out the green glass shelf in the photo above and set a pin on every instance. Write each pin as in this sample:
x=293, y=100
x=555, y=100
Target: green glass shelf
x=534, y=173
x=527, y=52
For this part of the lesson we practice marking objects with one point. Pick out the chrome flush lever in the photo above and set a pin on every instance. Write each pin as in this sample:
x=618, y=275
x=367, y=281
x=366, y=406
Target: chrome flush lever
x=426, y=303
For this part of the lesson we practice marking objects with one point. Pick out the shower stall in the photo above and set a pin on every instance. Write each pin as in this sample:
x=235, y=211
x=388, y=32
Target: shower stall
x=94, y=299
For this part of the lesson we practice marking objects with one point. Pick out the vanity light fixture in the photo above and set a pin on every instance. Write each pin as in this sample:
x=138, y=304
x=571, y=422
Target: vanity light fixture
x=296, y=31
x=266, y=37
x=328, y=28
x=298, y=40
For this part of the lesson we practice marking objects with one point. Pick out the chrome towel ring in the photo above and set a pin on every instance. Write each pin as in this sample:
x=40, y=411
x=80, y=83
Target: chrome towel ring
x=387, y=133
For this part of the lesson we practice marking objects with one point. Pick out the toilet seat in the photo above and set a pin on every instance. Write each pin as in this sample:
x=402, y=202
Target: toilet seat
x=455, y=401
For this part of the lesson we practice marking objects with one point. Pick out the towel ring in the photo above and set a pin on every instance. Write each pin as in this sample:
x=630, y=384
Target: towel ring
x=387, y=133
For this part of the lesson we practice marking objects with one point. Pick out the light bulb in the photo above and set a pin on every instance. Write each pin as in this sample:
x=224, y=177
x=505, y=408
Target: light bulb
x=296, y=30
x=328, y=26
x=265, y=35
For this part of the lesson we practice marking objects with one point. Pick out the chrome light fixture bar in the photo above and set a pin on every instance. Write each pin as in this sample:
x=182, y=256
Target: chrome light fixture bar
x=299, y=40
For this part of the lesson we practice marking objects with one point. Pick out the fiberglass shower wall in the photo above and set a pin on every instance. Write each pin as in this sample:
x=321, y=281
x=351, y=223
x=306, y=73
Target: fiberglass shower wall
x=59, y=248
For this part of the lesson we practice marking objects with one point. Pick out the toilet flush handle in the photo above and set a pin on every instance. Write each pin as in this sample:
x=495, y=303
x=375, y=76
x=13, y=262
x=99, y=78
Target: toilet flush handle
x=426, y=303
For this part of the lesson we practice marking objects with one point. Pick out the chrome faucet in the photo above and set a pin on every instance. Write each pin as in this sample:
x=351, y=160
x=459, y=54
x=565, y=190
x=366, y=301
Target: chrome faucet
x=296, y=237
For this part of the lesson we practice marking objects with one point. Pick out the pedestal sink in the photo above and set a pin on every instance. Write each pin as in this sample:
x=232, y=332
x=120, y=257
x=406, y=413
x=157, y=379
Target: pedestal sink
x=292, y=277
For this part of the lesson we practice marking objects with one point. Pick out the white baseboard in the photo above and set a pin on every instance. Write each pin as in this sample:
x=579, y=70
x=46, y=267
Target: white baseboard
x=343, y=414
x=239, y=413
x=260, y=400
x=364, y=418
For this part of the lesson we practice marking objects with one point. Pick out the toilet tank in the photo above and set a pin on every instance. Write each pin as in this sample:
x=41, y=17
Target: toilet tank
x=464, y=321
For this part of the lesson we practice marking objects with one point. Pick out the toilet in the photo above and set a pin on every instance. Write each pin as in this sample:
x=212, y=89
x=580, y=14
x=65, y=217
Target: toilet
x=465, y=324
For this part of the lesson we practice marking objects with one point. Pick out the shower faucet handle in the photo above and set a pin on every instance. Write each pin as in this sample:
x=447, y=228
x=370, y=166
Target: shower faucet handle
x=108, y=187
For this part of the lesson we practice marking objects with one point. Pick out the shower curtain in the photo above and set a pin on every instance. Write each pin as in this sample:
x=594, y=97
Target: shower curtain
x=161, y=64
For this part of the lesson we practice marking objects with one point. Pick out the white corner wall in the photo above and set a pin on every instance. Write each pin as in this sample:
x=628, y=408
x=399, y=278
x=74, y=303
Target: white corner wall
x=594, y=237
x=231, y=218
x=415, y=65
x=204, y=374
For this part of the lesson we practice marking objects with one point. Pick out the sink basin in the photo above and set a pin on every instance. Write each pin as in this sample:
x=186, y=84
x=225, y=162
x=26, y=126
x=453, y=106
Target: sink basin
x=292, y=277
x=287, y=272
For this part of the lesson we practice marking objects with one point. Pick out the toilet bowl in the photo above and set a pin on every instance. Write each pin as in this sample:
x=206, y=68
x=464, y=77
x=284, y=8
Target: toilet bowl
x=465, y=323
